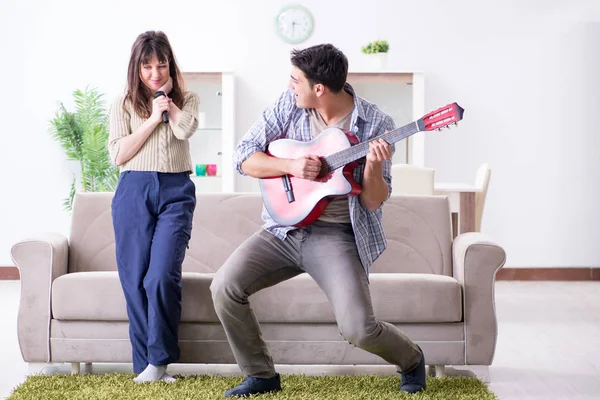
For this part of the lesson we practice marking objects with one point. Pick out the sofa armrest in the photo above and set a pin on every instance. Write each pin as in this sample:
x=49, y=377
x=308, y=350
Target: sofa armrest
x=40, y=260
x=476, y=259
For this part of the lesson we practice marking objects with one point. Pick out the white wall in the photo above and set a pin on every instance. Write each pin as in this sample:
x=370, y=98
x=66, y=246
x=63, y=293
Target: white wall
x=525, y=71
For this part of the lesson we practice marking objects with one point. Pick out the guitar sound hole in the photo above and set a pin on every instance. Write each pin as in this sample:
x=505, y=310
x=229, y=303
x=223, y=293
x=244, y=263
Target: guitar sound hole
x=324, y=178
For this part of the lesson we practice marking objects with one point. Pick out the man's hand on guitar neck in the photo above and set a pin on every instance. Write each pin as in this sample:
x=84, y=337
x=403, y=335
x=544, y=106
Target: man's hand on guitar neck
x=379, y=151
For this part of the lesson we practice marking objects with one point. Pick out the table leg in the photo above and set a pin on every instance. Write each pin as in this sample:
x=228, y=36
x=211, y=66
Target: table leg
x=454, y=224
x=467, y=212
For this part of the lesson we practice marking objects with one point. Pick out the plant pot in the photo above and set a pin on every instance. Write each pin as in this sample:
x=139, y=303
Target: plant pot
x=377, y=61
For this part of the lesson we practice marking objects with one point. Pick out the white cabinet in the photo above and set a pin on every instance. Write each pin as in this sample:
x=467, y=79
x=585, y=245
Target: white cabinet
x=213, y=143
x=401, y=95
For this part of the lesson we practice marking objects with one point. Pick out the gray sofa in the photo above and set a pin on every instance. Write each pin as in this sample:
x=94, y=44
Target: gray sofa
x=440, y=292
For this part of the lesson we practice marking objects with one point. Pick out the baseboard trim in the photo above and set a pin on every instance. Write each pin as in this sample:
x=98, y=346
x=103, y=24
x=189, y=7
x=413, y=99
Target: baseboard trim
x=9, y=273
x=505, y=274
x=548, y=274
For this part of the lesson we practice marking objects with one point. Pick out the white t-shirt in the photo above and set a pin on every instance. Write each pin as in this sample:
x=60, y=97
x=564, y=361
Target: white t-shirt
x=337, y=210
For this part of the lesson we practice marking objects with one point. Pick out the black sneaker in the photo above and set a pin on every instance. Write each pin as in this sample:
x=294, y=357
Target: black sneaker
x=253, y=385
x=414, y=381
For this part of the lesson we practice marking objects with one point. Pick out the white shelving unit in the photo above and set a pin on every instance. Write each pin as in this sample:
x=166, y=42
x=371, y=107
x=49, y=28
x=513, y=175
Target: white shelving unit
x=214, y=141
x=400, y=94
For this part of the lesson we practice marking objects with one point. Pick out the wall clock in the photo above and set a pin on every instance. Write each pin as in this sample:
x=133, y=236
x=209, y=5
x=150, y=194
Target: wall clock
x=294, y=24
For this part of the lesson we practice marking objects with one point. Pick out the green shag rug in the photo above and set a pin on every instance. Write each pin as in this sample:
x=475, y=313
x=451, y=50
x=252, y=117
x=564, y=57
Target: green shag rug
x=121, y=386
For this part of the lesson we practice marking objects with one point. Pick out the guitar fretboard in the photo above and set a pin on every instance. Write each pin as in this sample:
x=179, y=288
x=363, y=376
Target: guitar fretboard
x=346, y=156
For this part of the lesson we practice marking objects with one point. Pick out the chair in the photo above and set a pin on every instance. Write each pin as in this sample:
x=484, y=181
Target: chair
x=482, y=181
x=412, y=179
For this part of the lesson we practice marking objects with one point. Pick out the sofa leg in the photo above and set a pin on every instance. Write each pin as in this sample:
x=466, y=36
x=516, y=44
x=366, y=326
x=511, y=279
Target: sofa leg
x=440, y=370
x=431, y=370
x=75, y=368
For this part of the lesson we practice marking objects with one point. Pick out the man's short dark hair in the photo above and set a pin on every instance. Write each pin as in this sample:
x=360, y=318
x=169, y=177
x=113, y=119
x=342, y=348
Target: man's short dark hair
x=324, y=64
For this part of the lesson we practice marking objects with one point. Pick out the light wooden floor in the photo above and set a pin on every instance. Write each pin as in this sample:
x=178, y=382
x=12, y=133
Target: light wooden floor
x=548, y=343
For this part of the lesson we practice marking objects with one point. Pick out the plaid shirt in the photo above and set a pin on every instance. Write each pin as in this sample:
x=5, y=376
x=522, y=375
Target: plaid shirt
x=284, y=119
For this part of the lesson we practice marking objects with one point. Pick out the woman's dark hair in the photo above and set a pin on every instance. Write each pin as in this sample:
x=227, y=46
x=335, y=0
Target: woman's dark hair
x=147, y=45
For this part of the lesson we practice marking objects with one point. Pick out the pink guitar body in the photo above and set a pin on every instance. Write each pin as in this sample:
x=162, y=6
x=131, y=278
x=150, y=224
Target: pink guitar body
x=293, y=201
x=311, y=197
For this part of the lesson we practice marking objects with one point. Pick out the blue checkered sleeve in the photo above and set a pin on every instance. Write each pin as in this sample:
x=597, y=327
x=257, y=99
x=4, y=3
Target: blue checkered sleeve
x=272, y=125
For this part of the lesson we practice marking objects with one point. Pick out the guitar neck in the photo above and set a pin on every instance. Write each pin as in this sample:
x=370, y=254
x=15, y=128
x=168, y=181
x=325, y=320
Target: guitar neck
x=346, y=156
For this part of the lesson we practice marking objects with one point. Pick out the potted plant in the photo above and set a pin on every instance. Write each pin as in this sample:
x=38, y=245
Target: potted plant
x=377, y=53
x=83, y=135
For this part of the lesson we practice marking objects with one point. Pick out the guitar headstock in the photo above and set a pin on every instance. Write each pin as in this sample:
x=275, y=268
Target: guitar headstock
x=443, y=117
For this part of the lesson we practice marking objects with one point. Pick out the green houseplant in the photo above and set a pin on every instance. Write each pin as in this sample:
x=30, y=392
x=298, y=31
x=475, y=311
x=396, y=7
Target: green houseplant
x=83, y=135
x=377, y=53
x=378, y=46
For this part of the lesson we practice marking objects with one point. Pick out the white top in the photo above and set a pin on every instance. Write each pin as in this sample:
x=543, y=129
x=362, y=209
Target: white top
x=455, y=187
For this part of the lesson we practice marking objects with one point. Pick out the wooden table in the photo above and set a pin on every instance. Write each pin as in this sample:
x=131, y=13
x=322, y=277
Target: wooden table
x=462, y=204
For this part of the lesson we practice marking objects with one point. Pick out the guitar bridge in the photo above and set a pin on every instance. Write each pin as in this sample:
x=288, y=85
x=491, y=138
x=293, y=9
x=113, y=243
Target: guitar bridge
x=287, y=186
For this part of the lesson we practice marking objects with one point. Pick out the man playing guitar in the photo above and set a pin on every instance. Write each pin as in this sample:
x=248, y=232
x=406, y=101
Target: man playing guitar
x=339, y=246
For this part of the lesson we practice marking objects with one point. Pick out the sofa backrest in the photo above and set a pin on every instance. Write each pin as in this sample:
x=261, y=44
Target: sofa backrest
x=419, y=235
x=417, y=229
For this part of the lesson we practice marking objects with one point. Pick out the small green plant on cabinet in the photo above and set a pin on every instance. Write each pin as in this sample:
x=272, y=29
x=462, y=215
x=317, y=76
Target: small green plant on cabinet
x=83, y=135
x=378, y=46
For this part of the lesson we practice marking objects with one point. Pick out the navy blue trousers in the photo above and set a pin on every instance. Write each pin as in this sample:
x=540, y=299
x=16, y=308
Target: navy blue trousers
x=152, y=219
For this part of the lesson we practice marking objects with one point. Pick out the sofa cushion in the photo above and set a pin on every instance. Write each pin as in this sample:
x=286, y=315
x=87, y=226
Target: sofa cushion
x=397, y=298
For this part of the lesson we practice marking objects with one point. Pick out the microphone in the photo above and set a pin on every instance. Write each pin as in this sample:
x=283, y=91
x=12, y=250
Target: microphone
x=165, y=115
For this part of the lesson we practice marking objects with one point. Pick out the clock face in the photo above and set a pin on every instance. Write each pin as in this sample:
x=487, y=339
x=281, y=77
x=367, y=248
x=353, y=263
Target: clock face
x=294, y=24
